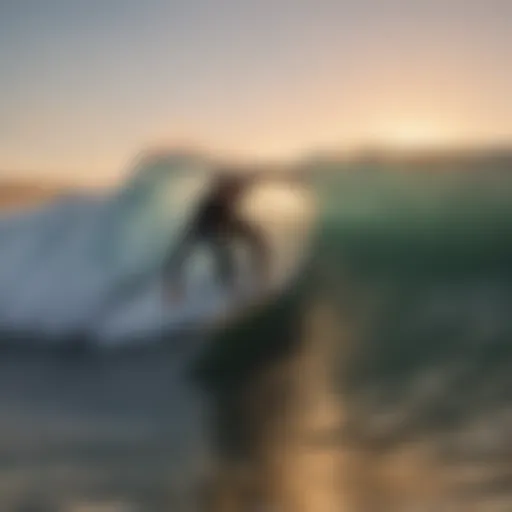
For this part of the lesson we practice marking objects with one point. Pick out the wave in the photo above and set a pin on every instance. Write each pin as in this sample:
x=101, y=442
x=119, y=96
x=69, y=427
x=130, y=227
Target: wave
x=87, y=266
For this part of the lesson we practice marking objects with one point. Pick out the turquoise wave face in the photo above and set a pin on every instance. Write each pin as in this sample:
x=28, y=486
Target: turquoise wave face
x=417, y=224
x=417, y=268
x=150, y=210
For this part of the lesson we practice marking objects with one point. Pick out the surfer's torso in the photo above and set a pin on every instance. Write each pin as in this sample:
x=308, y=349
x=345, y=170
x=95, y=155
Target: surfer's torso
x=218, y=222
x=218, y=212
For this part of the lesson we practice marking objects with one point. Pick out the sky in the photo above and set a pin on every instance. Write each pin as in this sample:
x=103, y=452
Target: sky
x=86, y=85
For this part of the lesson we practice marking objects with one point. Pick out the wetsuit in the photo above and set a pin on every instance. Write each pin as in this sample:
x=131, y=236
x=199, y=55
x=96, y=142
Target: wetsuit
x=218, y=223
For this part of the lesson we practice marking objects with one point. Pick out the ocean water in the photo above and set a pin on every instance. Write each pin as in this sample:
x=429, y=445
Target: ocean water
x=382, y=379
x=378, y=379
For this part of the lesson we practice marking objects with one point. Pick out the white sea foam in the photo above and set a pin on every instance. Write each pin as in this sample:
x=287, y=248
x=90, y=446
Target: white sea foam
x=61, y=264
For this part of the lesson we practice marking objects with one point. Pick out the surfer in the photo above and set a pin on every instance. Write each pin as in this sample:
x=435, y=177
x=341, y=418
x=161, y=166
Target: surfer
x=218, y=223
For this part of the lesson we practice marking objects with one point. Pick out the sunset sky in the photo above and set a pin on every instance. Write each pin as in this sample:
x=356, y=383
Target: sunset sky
x=86, y=84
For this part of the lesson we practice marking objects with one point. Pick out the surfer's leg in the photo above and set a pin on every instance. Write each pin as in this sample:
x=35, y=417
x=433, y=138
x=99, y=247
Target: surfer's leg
x=174, y=262
x=259, y=253
x=225, y=261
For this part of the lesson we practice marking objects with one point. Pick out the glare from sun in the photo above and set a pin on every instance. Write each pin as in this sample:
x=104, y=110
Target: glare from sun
x=412, y=136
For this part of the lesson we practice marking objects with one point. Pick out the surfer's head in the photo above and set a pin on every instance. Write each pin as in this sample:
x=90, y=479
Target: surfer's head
x=230, y=180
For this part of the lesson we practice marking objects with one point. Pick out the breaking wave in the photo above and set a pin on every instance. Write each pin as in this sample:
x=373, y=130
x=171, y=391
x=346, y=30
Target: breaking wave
x=88, y=265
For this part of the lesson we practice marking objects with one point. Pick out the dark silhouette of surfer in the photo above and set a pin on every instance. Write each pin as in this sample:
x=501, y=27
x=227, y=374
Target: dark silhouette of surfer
x=217, y=222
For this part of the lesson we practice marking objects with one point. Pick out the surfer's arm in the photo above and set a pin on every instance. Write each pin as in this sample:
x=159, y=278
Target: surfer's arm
x=175, y=259
x=193, y=232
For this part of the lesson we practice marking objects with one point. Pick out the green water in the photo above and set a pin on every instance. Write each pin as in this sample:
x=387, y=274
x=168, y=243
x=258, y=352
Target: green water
x=421, y=264
x=418, y=269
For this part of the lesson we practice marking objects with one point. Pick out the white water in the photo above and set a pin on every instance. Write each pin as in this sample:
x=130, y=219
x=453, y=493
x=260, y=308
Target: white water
x=61, y=264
